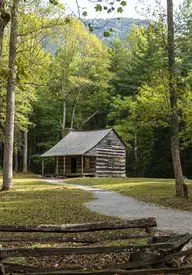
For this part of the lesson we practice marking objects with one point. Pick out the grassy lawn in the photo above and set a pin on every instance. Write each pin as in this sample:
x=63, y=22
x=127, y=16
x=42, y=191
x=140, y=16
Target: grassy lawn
x=157, y=191
x=35, y=202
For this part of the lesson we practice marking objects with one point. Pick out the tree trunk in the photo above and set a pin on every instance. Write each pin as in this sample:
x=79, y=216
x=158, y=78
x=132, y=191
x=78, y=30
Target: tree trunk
x=10, y=107
x=1, y=155
x=74, y=109
x=64, y=113
x=181, y=188
x=63, y=124
x=25, y=150
x=29, y=158
x=4, y=20
x=16, y=164
x=135, y=139
x=87, y=120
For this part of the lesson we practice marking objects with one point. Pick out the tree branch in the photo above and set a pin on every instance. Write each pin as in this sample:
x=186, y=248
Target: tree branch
x=90, y=117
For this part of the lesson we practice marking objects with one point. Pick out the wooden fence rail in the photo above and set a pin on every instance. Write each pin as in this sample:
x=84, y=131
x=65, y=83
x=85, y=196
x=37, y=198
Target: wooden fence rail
x=36, y=252
x=111, y=271
x=152, y=258
x=77, y=239
x=84, y=227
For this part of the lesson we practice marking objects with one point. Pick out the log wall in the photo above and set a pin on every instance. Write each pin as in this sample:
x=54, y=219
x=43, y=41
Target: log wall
x=110, y=156
x=106, y=159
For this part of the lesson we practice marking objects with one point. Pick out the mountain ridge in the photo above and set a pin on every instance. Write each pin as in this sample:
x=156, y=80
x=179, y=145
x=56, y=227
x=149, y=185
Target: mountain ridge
x=120, y=26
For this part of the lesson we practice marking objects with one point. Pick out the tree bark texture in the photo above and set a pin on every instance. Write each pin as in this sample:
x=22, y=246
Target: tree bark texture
x=74, y=108
x=47, y=251
x=64, y=117
x=83, y=227
x=111, y=271
x=25, y=151
x=16, y=164
x=181, y=188
x=77, y=239
x=64, y=114
x=135, y=138
x=4, y=20
x=1, y=154
x=10, y=107
x=87, y=120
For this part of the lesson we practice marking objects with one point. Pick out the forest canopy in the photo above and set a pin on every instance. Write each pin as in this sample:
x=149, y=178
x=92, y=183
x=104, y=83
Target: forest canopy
x=67, y=78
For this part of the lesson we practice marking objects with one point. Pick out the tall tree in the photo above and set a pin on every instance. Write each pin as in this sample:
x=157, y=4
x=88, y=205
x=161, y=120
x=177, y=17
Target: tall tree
x=10, y=107
x=25, y=151
x=181, y=188
x=79, y=75
x=4, y=20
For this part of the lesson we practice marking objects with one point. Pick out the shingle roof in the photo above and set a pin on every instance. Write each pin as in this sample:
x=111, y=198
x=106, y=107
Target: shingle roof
x=77, y=143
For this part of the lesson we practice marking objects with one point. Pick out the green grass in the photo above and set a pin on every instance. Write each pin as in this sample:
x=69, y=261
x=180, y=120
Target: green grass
x=35, y=202
x=157, y=191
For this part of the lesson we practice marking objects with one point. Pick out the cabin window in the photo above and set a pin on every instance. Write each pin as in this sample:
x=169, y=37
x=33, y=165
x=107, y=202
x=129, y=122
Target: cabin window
x=86, y=162
x=108, y=142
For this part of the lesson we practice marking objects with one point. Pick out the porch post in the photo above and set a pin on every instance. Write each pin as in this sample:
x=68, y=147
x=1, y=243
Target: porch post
x=56, y=166
x=82, y=165
x=43, y=166
x=64, y=165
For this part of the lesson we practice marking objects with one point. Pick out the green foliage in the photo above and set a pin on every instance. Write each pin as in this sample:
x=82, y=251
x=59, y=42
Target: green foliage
x=153, y=101
x=121, y=27
x=98, y=7
x=46, y=130
x=79, y=73
x=120, y=10
x=124, y=86
x=123, y=3
x=54, y=2
x=84, y=13
x=140, y=107
x=106, y=34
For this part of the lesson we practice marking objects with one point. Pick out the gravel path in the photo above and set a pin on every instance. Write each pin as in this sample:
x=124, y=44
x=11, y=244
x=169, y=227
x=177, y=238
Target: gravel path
x=114, y=204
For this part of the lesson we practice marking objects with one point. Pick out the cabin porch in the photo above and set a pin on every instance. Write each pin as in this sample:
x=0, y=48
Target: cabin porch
x=72, y=166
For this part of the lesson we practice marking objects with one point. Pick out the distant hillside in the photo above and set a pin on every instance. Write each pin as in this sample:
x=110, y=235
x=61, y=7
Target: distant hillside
x=121, y=27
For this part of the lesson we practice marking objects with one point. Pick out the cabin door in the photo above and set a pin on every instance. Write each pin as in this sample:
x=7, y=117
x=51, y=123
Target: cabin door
x=73, y=165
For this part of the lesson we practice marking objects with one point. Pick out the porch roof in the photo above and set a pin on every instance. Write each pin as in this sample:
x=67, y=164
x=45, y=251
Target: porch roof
x=77, y=143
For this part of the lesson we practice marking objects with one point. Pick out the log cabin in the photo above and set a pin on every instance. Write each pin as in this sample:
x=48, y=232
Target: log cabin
x=100, y=153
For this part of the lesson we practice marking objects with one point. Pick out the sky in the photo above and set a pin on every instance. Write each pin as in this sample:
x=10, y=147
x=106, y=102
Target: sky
x=129, y=9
